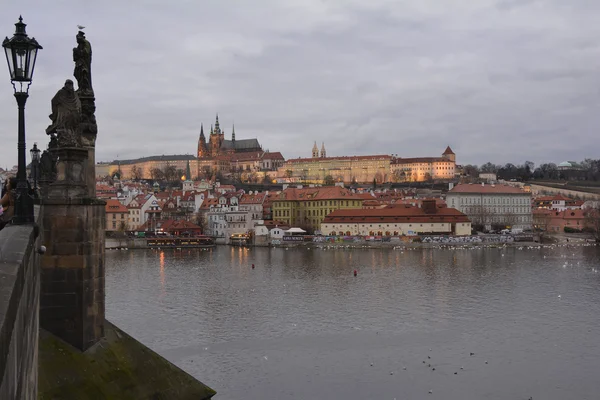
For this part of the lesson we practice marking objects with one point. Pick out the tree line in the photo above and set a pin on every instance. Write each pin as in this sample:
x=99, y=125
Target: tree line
x=588, y=169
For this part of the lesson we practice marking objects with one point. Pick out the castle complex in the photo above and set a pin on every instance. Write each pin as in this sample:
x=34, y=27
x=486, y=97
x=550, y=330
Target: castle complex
x=366, y=169
x=246, y=160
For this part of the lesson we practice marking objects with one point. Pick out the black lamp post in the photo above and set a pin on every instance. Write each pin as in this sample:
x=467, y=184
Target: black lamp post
x=21, y=53
x=35, y=165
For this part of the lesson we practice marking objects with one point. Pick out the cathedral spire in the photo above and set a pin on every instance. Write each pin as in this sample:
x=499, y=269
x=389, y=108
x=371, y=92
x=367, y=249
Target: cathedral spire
x=202, y=133
x=211, y=130
x=217, y=128
x=315, y=150
x=323, y=153
x=233, y=133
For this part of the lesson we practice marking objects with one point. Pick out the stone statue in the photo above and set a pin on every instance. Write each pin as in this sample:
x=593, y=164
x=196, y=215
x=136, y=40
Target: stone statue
x=82, y=55
x=47, y=168
x=66, y=116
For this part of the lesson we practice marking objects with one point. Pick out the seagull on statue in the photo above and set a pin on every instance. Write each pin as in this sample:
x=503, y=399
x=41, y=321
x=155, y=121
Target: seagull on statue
x=80, y=27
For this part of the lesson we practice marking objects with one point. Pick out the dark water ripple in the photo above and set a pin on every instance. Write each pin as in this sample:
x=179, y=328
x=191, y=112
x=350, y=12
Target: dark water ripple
x=300, y=326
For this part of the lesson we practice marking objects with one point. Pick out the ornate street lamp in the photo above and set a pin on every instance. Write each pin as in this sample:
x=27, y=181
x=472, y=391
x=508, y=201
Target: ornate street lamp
x=35, y=165
x=21, y=53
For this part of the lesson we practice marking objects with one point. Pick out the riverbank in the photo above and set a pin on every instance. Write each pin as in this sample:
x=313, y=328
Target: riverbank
x=151, y=243
x=548, y=241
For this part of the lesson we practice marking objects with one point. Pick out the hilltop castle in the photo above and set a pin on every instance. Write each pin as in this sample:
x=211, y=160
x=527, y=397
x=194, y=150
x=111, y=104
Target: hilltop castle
x=217, y=145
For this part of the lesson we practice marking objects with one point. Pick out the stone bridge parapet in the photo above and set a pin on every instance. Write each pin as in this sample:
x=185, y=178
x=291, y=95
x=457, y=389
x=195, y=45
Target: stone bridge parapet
x=19, y=311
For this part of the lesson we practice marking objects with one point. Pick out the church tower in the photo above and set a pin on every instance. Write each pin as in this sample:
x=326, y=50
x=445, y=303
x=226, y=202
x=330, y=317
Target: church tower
x=188, y=172
x=202, y=149
x=315, y=151
x=214, y=142
x=233, y=135
x=323, y=153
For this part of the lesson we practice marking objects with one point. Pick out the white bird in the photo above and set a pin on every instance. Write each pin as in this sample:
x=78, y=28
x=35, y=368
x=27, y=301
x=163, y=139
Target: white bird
x=80, y=27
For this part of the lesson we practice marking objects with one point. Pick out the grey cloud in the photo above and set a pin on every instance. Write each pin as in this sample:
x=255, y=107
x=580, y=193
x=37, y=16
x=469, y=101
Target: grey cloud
x=500, y=81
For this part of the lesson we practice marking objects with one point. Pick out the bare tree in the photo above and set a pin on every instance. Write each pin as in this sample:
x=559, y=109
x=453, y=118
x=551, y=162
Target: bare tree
x=481, y=216
x=266, y=179
x=136, y=173
x=304, y=175
x=592, y=221
x=510, y=219
x=157, y=174
x=170, y=173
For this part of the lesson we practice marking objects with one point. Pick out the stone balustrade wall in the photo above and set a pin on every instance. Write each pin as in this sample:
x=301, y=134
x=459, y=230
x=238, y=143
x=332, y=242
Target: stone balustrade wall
x=19, y=312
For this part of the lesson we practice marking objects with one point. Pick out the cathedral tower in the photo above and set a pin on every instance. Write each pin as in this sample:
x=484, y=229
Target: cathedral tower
x=323, y=153
x=315, y=151
x=202, y=149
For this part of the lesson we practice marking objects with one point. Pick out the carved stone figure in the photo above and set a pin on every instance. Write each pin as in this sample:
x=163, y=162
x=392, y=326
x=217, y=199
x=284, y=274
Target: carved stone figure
x=66, y=116
x=82, y=55
x=47, y=168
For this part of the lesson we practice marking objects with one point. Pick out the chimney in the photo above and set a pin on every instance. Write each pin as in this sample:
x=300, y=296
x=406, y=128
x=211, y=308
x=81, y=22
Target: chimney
x=429, y=206
x=482, y=184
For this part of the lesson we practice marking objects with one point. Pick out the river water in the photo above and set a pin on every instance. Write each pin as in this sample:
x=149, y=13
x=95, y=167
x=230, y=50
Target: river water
x=301, y=326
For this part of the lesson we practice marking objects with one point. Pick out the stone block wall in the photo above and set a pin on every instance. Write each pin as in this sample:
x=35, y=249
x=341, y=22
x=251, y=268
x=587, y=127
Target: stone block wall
x=19, y=312
x=72, y=271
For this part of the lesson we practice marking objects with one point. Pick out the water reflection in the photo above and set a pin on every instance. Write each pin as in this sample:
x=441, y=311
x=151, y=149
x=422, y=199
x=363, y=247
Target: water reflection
x=318, y=324
x=162, y=273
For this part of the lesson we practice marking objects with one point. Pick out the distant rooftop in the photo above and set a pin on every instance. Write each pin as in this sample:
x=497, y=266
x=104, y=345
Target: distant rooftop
x=174, y=157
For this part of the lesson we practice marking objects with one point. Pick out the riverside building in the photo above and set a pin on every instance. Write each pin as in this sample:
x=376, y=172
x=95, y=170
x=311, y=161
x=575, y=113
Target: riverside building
x=398, y=220
x=502, y=206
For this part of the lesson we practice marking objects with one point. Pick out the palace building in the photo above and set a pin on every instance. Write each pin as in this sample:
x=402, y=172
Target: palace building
x=365, y=169
x=421, y=169
x=361, y=169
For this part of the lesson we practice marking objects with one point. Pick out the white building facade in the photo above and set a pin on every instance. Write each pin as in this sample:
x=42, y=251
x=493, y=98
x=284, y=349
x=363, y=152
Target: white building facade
x=492, y=205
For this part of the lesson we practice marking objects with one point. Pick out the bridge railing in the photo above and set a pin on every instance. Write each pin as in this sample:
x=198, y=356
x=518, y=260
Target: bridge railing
x=19, y=311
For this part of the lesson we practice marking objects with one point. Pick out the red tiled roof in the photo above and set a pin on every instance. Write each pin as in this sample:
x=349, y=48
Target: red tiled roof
x=209, y=202
x=270, y=224
x=114, y=206
x=273, y=156
x=342, y=158
x=250, y=156
x=393, y=214
x=318, y=193
x=258, y=198
x=365, y=196
x=414, y=160
x=483, y=189
x=448, y=151
x=162, y=195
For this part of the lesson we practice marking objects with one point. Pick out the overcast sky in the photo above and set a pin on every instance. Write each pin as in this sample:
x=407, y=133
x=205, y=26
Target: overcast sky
x=497, y=80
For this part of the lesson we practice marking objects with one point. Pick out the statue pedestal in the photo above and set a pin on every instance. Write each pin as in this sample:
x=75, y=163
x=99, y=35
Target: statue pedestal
x=71, y=174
